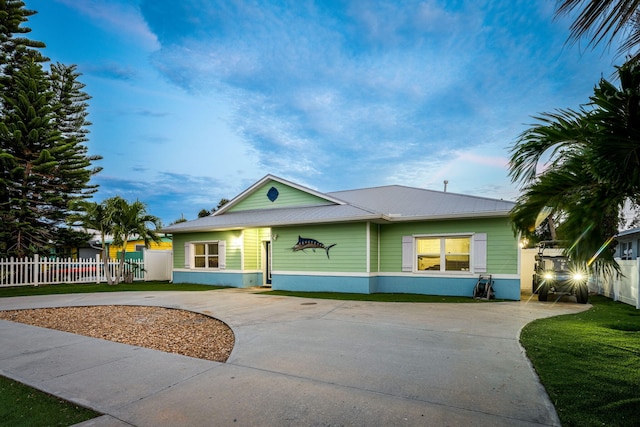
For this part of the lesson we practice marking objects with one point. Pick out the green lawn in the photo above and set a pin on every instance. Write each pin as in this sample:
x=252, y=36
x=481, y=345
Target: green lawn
x=16, y=291
x=21, y=405
x=376, y=297
x=589, y=363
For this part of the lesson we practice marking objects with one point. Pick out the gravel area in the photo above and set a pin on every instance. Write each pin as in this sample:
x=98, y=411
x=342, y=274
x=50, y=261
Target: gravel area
x=173, y=331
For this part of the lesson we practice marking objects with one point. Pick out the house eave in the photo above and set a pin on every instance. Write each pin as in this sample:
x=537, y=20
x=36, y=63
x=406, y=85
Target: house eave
x=462, y=215
x=378, y=219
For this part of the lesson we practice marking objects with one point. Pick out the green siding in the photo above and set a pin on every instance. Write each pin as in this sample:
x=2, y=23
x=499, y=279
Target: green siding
x=349, y=254
x=502, y=246
x=233, y=241
x=253, y=243
x=373, y=246
x=287, y=197
x=251, y=249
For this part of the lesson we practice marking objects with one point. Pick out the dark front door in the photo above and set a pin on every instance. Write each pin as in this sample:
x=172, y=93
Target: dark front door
x=267, y=256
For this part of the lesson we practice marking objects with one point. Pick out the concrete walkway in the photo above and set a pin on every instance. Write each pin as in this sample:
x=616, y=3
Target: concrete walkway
x=296, y=362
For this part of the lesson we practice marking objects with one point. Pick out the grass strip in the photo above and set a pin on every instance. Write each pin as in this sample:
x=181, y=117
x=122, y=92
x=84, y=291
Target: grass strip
x=378, y=297
x=21, y=405
x=589, y=363
x=64, y=288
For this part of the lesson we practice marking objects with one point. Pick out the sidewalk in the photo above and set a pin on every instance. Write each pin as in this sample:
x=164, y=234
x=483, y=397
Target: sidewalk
x=296, y=362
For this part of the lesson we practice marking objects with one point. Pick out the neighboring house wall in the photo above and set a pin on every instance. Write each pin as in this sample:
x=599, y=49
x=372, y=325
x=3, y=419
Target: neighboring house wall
x=164, y=245
x=628, y=247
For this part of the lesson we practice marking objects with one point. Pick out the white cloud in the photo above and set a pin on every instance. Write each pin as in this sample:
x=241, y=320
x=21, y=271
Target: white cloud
x=117, y=18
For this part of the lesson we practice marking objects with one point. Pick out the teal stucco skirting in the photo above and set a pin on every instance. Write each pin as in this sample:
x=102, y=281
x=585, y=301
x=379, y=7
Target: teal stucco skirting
x=235, y=280
x=504, y=288
x=346, y=284
x=508, y=289
x=452, y=286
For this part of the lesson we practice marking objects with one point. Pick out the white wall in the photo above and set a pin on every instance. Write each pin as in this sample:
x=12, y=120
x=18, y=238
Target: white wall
x=158, y=265
x=527, y=263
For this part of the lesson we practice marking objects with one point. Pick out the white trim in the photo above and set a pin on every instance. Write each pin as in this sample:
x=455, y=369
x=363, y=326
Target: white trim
x=378, y=254
x=222, y=255
x=368, y=251
x=445, y=275
x=213, y=270
x=323, y=273
x=241, y=249
x=350, y=274
x=470, y=235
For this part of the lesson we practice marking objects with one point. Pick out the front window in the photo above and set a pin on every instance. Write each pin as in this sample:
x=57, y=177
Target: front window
x=206, y=255
x=444, y=253
x=626, y=250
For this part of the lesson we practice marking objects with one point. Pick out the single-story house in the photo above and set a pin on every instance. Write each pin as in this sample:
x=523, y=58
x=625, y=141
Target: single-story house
x=389, y=239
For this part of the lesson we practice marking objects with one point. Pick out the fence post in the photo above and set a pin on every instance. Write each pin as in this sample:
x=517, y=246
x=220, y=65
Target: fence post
x=36, y=272
x=98, y=266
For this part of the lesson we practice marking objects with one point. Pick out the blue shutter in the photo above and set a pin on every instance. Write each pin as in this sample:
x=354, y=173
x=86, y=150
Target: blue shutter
x=407, y=253
x=187, y=255
x=222, y=259
x=480, y=253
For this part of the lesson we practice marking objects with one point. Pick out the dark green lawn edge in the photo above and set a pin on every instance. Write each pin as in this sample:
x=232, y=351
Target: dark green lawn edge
x=378, y=297
x=589, y=363
x=64, y=288
x=21, y=405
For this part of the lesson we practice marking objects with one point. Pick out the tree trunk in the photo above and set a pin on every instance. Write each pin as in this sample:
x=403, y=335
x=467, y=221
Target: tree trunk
x=552, y=227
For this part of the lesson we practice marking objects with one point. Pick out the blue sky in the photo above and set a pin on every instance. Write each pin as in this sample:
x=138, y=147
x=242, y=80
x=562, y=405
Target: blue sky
x=195, y=100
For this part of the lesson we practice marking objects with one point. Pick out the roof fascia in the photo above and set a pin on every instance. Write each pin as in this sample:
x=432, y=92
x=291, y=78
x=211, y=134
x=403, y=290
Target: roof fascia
x=465, y=215
x=277, y=224
x=378, y=219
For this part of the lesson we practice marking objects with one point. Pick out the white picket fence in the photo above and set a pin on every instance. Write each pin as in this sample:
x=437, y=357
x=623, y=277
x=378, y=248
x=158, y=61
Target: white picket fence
x=625, y=288
x=46, y=271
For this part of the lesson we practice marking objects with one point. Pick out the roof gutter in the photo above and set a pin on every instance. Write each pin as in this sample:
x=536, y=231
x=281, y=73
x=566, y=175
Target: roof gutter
x=389, y=218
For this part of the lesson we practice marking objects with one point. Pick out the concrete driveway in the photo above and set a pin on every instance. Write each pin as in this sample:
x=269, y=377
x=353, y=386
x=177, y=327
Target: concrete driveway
x=296, y=362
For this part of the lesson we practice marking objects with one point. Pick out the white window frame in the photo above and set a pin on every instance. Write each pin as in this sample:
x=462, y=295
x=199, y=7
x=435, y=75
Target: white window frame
x=626, y=250
x=190, y=255
x=477, y=253
x=442, y=251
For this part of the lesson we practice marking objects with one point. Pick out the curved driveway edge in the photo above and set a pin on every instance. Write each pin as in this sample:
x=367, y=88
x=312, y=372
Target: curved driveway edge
x=296, y=362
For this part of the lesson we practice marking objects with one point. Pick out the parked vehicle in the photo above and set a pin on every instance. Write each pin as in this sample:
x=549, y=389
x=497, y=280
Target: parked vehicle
x=556, y=274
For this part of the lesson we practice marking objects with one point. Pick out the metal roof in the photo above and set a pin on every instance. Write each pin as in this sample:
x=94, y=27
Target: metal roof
x=392, y=203
x=406, y=202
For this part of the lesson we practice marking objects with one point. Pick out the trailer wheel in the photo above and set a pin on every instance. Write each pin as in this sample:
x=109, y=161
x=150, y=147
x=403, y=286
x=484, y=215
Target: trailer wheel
x=582, y=294
x=543, y=291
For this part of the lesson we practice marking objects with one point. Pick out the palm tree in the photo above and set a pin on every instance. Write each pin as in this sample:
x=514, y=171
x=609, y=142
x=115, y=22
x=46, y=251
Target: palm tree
x=593, y=167
x=601, y=18
x=96, y=216
x=131, y=220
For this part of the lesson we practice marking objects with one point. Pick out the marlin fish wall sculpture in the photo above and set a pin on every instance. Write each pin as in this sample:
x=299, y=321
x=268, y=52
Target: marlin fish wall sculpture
x=304, y=243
